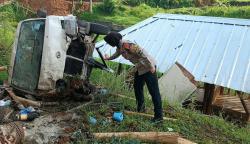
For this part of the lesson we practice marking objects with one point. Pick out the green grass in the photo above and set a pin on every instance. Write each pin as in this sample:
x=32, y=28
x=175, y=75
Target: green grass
x=127, y=16
x=122, y=15
x=3, y=76
x=191, y=125
x=10, y=15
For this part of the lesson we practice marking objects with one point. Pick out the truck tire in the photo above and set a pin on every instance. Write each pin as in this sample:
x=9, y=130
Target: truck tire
x=99, y=29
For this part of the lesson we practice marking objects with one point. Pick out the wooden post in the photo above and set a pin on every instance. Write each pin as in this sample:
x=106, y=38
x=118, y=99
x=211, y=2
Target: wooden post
x=147, y=115
x=91, y=6
x=159, y=137
x=243, y=104
x=119, y=69
x=222, y=91
x=208, y=97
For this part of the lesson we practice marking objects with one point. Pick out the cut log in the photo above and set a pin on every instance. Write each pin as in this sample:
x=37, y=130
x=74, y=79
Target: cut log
x=159, y=137
x=147, y=115
x=3, y=68
x=21, y=100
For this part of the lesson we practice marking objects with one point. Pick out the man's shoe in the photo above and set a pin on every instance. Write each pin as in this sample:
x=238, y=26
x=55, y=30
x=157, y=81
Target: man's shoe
x=141, y=109
x=156, y=120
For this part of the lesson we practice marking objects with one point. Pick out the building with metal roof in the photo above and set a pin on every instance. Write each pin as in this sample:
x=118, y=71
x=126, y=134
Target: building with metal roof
x=215, y=50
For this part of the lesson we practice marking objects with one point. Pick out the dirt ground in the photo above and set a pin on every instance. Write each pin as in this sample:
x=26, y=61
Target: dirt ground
x=54, y=7
x=61, y=123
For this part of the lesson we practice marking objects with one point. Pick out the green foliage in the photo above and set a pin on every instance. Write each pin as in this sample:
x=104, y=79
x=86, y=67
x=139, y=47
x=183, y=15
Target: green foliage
x=108, y=6
x=6, y=38
x=161, y=3
x=190, y=124
x=3, y=76
x=127, y=16
x=122, y=15
x=219, y=11
x=10, y=15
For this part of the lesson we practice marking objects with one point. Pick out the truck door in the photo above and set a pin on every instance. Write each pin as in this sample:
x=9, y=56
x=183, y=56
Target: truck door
x=28, y=55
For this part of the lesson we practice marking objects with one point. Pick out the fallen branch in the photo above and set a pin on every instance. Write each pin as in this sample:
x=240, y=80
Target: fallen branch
x=159, y=137
x=23, y=101
x=122, y=96
x=80, y=107
x=147, y=115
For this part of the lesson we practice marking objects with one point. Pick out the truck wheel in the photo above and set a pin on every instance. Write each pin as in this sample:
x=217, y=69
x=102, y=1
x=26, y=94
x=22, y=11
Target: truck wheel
x=99, y=29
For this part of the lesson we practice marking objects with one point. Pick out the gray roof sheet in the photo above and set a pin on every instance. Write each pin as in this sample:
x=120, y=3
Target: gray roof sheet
x=215, y=50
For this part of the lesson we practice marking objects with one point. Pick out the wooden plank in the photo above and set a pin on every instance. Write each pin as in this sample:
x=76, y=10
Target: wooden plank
x=21, y=100
x=3, y=68
x=158, y=137
x=122, y=96
x=232, y=105
x=244, y=104
x=147, y=115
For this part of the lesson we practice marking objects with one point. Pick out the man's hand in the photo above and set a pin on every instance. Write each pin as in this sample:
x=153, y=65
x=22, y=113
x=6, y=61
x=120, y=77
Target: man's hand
x=152, y=70
x=106, y=57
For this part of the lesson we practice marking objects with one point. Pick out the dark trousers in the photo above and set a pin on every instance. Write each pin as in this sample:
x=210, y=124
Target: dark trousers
x=153, y=87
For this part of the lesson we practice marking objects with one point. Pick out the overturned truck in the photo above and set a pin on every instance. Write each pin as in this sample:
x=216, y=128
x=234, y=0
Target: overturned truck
x=52, y=57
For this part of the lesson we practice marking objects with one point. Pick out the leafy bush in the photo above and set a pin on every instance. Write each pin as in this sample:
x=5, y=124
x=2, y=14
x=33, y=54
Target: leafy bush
x=10, y=15
x=6, y=39
x=108, y=6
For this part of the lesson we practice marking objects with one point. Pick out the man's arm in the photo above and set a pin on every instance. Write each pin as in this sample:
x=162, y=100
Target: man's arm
x=114, y=56
x=136, y=49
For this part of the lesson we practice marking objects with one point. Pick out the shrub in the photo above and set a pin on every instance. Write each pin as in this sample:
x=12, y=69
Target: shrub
x=108, y=6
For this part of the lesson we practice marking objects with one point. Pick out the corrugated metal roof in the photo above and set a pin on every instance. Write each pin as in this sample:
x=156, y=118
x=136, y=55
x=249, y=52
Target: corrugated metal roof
x=215, y=50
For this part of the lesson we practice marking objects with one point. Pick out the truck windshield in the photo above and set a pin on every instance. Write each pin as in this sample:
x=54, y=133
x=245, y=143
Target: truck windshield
x=31, y=34
x=29, y=54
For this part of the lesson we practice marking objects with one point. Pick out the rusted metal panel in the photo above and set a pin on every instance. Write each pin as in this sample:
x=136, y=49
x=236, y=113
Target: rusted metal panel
x=215, y=50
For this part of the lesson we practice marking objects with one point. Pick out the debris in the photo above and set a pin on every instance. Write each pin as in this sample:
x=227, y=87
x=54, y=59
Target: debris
x=176, y=85
x=147, y=115
x=27, y=116
x=50, y=128
x=21, y=100
x=4, y=103
x=103, y=91
x=170, y=129
x=158, y=137
x=5, y=113
x=118, y=116
x=92, y=120
x=11, y=133
x=27, y=110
